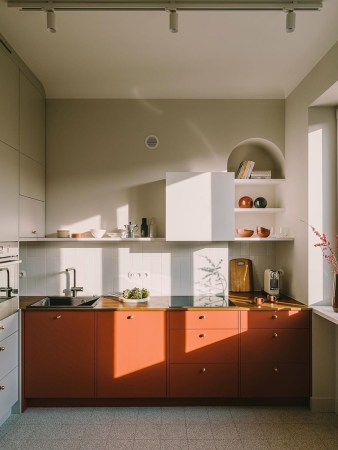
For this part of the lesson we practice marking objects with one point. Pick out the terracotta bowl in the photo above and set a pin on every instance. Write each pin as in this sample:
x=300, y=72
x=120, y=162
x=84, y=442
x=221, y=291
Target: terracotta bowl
x=244, y=233
x=263, y=232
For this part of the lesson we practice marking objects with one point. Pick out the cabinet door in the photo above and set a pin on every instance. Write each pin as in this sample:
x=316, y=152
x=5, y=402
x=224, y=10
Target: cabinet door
x=59, y=354
x=9, y=193
x=9, y=391
x=275, y=319
x=275, y=380
x=32, y=120
x=203, y=346
x=182, y=320
x=32, y=217
x=200, y=206
x=279, y=345
x=203, y=380
x=9, y=104
x=131, y=354
x=32, y=178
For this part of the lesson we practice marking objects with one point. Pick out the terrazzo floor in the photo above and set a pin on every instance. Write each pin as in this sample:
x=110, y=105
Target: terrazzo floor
x=157, y=428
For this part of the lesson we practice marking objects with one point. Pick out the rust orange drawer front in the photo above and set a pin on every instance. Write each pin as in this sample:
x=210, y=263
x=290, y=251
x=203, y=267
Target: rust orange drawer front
x=203, y=380
x=275, y=319
x=131, y=354
x=203, y=319
x=204, y=346
x=280, y=345
x=275, y=380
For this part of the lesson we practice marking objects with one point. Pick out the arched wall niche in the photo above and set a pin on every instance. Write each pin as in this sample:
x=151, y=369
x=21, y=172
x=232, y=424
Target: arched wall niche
x=265, y=154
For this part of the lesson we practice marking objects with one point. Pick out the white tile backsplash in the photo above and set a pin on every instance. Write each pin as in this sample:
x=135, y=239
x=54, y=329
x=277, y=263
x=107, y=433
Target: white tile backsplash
x=173, y=267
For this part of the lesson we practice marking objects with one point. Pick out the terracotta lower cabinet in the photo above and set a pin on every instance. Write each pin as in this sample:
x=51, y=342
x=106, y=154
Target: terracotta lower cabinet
x=131, y=354
x=203, y=354
x=275, y=354
x=59, y=354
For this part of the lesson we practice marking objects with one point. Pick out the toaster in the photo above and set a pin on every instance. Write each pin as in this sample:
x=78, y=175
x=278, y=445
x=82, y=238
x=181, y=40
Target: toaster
x=271, y=281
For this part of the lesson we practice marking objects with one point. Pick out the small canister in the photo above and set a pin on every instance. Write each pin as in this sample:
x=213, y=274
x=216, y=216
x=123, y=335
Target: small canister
x=63, y=233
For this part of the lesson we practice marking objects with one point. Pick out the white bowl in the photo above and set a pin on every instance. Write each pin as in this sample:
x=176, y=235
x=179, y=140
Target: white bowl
x=97, y=233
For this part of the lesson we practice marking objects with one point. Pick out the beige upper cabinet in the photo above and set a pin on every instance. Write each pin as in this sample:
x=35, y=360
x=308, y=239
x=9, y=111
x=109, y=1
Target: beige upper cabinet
x=9, y=101
x=199, y=206
x=32, y=120
x=32, y=178
x=9, y=193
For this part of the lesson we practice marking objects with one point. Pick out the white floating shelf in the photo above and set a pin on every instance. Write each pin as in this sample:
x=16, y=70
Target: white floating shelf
x=259, y=182
x=268, y=239
x=258, y=210
x=91, y=239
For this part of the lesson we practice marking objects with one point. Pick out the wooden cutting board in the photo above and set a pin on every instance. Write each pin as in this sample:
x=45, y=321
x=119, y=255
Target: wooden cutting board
x=241, y=279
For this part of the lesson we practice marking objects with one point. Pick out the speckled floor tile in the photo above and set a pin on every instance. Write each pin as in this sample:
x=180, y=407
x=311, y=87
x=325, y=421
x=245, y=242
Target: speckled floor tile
x=331, y=444
x=228, y=444
x=256, y=444
x=199, y=431
x=103, y=416
x=147, y=444
x=18, y=431
x=173, y=415
x=174, y=444
x=149, y=415
x=54, y=444
x=250, y=431
x=201, y=444
x=274, y=431
x=196, y=415
x=148, y=431
x=224, y=431
x=243, y=415
x=96, y=431
x=91, y=444
x=124, y=431
x=126, y=415
x=176, y=431
x=119, y=444
x=220, y=414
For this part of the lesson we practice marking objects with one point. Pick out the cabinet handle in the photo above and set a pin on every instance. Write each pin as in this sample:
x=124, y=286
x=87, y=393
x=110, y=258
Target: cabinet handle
x=275, y=335
x=33, y=231
x=2, y=349
x=58, y=317
x=203, y=335
x=275, y=316
x=275, y=369
x=203, y=370
x=202, y=317
x=130, y=317
x=2, y=327
x=2, y=388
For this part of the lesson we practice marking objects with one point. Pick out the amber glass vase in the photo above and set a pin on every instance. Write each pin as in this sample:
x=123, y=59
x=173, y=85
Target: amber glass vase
x=335, y=293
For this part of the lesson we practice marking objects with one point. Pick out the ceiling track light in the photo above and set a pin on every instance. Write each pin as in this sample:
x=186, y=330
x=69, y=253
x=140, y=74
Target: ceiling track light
x=173, y=21
x=290, y=21
x=51, y=22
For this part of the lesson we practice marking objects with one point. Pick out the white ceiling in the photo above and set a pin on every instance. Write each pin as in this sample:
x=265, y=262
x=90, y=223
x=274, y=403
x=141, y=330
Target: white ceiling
x=214, y=55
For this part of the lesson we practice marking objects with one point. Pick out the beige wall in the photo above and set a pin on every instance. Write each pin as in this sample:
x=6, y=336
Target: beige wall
x=98, y=166
x=324, y=75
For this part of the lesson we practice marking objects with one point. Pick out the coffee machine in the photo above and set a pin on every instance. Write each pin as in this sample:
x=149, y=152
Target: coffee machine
x=272, y=281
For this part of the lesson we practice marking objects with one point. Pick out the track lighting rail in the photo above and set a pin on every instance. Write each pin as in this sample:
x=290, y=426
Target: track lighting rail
x=193, y=5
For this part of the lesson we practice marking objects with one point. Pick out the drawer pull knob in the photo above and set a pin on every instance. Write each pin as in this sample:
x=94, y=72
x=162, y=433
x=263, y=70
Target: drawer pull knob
x=33, y=231
x=130, y=317
x=2, y=349
x=202, y=317
x=203, y=370
x=2, y=388
x=2, y=327
x=58, y=317
x=275, y=316
x=275, y=369
x=275, y=335
x=203, y=335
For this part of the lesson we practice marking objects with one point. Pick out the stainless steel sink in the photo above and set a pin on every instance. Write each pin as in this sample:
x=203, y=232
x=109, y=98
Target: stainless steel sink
x=61, y=301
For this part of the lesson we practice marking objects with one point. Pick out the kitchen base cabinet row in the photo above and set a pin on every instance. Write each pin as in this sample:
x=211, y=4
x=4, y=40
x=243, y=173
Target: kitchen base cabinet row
x=159, y=354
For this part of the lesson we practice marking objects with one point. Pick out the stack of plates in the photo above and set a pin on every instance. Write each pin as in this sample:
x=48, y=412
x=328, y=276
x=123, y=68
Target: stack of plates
x=115, y=233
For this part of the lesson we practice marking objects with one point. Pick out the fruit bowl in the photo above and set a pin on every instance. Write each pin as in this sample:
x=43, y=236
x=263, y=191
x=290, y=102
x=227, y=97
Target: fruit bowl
x=242, y=232
x=263, y=232
x=96, y=233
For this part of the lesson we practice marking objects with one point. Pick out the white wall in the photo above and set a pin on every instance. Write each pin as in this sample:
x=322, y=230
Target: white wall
x=174, y=268
x=99, y=172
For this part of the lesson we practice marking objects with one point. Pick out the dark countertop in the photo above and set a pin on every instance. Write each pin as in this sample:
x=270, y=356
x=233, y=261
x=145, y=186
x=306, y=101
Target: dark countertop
x=241, y=300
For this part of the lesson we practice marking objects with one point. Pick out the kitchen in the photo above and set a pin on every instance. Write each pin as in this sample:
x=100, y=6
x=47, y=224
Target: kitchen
x=99, y=174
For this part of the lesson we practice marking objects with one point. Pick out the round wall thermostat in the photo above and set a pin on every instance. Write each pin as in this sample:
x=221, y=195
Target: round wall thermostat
x=152, y=142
